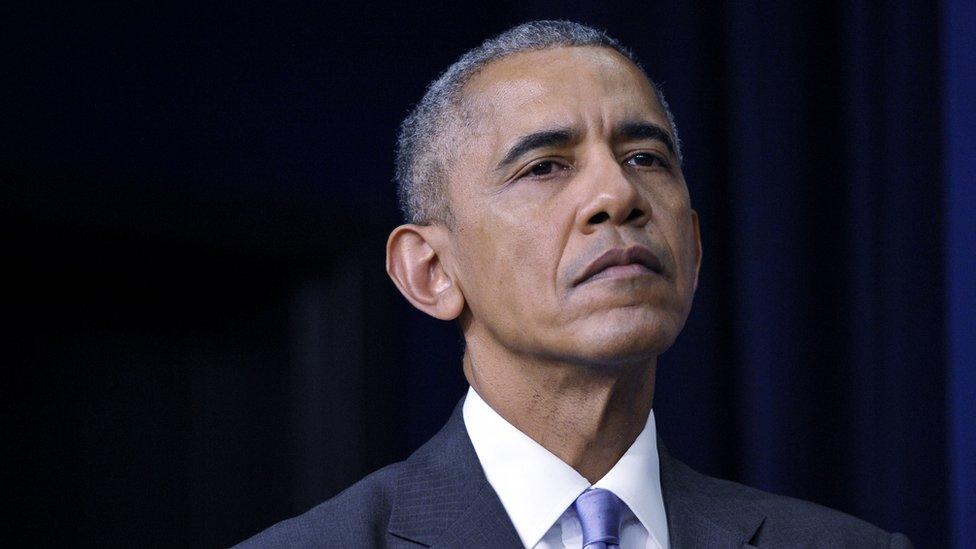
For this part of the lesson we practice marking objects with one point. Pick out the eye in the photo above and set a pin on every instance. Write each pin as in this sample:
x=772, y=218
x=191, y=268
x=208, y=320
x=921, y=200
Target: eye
x=543, y=168
x=647, y=160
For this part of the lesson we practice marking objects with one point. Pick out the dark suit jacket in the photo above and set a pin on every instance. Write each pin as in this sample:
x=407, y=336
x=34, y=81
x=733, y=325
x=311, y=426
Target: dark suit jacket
x=439, y=497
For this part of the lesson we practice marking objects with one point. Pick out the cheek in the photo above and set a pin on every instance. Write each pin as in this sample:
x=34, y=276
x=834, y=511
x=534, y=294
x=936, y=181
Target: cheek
x=490, y=263
x=673, y=220
x=522, y=223
x=514, y=239
x=513, y=265
x=686, y=253
x=523, y=263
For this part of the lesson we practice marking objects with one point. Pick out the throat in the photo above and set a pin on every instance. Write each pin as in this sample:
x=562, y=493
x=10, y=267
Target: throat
x=592, y=441
x=587, y=419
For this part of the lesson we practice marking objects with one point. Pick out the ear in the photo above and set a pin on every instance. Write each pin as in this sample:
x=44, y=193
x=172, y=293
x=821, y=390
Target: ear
x=414, y=262
x=697, y=244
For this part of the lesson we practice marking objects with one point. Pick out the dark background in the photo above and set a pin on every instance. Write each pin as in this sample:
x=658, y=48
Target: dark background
x=203, y=340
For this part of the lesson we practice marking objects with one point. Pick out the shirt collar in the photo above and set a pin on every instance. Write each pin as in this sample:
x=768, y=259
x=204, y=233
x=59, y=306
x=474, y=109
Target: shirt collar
x=636, y=480
x=536, y=487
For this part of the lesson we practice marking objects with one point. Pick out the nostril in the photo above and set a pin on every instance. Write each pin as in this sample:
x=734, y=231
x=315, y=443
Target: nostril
x=598, y=218
x=634, y=214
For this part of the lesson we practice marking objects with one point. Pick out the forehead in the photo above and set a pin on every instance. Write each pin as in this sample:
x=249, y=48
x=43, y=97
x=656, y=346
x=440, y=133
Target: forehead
x=562, y=85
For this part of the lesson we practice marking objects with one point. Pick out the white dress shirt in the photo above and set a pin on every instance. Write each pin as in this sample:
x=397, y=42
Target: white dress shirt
x=538, y=489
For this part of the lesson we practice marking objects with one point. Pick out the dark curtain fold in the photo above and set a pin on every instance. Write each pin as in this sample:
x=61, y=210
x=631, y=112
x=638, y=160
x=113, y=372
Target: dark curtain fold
x=838, y=277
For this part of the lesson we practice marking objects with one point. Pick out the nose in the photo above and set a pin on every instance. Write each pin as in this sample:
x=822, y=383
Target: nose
x=611, y=198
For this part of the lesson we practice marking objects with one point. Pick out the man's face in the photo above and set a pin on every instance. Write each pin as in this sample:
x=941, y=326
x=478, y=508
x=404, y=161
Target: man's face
x=574, y=238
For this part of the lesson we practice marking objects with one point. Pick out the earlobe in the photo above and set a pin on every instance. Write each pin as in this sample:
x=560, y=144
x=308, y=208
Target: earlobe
x=415, y=264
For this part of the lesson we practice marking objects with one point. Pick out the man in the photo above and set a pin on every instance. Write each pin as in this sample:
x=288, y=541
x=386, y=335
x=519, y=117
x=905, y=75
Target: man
x=548, y=214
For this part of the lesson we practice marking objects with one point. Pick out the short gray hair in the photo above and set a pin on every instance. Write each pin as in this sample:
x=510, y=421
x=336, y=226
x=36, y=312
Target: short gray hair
x=422, y=145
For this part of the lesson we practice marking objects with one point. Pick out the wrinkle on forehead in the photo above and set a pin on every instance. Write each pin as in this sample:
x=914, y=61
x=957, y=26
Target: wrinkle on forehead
x=506, y=92
x=573, y=64
x=517, y=88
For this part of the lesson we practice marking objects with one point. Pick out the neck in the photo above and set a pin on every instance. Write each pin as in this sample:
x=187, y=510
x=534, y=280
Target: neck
x=586, y=415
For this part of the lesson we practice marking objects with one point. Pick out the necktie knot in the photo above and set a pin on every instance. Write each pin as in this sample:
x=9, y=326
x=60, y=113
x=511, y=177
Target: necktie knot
x=599, y=515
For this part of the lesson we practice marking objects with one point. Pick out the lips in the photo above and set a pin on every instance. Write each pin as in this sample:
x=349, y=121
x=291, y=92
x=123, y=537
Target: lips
x=630, y=261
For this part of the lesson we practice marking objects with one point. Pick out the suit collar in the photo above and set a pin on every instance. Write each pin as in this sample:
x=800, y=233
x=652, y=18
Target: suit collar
x=697, y=515
x=443, y=498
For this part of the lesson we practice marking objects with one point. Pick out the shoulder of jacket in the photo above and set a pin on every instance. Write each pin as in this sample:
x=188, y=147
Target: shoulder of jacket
x=790, y=520
x=357, y=516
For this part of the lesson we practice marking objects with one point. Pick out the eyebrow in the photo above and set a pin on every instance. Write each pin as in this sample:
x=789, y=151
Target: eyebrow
x=637, y=130
x=553, y=137
x=630, y=131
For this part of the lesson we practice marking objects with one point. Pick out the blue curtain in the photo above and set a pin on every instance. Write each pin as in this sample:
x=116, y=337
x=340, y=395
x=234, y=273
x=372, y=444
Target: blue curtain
x=835, y=270
x=959, y=96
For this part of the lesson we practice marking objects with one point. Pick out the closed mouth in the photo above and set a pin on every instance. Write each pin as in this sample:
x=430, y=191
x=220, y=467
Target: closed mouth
x=622, y=263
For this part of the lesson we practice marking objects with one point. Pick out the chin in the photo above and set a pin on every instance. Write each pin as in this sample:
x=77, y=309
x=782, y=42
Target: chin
x=634, y=338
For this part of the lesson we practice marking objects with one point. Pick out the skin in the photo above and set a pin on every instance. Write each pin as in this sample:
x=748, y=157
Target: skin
x=569, y=363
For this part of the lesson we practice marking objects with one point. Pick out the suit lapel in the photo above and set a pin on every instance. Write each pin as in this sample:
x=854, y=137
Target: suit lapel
x=696, y=517
x=690, y=526
x=483, y=524
x=443, y=498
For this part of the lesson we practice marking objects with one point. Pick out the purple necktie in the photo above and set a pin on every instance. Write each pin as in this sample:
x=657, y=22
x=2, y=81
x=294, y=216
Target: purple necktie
x=599, y=515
